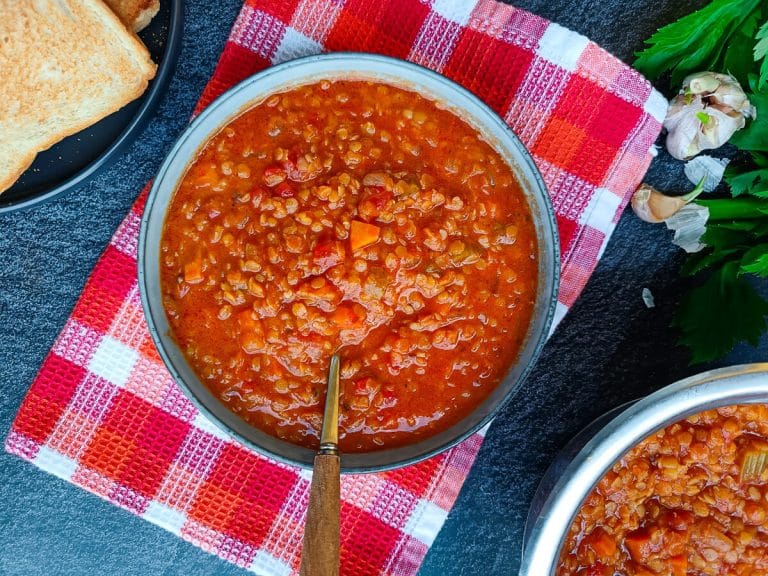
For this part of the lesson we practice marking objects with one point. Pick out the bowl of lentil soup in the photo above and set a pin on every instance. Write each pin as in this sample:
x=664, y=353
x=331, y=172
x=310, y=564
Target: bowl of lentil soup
x=674, y=484
x=358, y=202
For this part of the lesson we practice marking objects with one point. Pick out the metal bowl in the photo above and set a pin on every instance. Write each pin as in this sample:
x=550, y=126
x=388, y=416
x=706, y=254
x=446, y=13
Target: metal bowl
x=362, y=67
x=591, y=454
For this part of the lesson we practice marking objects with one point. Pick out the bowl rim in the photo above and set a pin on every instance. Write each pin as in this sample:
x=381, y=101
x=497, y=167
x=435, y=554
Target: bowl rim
x=732, y=385
x=538, y=198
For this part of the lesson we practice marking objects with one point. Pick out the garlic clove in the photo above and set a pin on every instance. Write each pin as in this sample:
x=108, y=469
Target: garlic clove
x=703, y=82
x=652, y=206
x=683, y=125
x=718, y=127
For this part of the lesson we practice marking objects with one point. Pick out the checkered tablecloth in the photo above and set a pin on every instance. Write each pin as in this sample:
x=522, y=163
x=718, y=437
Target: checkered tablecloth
x=103, y=412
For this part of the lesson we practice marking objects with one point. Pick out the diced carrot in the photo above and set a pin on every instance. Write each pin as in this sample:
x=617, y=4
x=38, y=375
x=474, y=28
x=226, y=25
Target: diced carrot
x=679, y=565
x=362, y=234
x=594, y=570
x=602, y=543
x=345, y=317
x=637, y=543
x=206, y=176
x=193, y=271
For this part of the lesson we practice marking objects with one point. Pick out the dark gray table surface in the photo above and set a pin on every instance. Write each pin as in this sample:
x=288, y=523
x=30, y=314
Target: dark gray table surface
x=609, y=349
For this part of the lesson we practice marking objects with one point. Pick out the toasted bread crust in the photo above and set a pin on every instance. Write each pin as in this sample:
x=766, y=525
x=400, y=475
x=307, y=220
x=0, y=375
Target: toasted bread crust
x=135, y=14
x=69, y=64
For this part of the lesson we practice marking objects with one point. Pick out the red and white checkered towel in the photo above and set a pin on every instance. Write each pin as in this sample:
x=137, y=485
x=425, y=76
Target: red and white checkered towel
x=104, y=413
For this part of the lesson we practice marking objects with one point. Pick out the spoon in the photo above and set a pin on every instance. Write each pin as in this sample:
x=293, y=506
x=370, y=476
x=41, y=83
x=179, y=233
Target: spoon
x=320, y=549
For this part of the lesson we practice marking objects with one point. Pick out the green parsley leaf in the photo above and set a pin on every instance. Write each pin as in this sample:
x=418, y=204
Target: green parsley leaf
x=755, y=136
x=741, y=181
x=721, y=312
x=738, y=57
x=695, y=42
x=707, y=258
x=761, y=48
x=755, y=261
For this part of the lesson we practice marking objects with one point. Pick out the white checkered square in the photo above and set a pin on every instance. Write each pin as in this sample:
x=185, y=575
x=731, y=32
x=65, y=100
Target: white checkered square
x=55, y=463
x=560, y=311
x=601, y=211
x=425, y=522
x=295, y=45
x=562, y=46
x=165, y=517
x=201, y=421
x=656, y=106
x=457, y=11
x=113, y=361
x=265, y=564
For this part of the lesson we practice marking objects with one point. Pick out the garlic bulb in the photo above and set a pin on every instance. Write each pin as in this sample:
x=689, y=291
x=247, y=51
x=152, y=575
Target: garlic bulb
x=709, y=109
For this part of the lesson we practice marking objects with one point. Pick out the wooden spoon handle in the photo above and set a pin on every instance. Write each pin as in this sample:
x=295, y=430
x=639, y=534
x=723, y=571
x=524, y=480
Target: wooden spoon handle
x=320, y=551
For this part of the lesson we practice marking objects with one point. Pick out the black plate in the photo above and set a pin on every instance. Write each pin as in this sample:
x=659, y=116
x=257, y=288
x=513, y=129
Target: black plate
x=79, y=157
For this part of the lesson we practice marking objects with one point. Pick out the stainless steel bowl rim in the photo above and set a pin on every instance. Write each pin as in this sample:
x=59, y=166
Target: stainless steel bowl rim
x=300, y=72
x=744, y=384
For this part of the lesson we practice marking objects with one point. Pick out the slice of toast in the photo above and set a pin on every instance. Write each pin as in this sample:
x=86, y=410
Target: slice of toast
x=135, y=14
x=65, y=64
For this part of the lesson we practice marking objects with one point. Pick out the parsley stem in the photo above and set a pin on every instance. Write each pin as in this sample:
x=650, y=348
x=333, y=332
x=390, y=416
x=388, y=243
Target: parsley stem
x=735, y=208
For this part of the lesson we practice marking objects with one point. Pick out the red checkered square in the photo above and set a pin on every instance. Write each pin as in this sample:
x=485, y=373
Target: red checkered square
x=592, y=160
x=215, y=506
x=615, y=122
x=283, y=10
x=44, y=405
x=417, y=479
x=478, y=59
x=110, y=281
x=366, y=542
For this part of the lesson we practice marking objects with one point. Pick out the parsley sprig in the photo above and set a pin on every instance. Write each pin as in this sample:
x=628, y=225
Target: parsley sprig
x=728, y=36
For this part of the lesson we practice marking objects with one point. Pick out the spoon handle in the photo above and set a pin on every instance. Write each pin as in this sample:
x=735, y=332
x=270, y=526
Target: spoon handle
x=320, y=551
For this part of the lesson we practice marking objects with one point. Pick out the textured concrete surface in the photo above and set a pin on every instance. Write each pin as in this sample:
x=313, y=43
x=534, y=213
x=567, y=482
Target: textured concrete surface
x=608, y=350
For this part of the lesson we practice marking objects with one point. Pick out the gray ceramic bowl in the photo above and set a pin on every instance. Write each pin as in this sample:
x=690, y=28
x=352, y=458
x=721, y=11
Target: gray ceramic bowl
x=363, y=67
x=584, y=462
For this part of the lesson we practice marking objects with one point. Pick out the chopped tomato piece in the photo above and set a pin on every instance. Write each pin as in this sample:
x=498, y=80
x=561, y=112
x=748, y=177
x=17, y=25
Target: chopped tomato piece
x=273, y=175
x=679, y=519
x=679, y=565
x=328, y=254
x=301, y=168
x=285, y=190
x=363, y=385
x=362, y=234
x=373, y=201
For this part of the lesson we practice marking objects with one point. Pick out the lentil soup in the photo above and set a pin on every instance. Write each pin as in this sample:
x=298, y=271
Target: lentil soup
x=690, y=500
x=357, y=216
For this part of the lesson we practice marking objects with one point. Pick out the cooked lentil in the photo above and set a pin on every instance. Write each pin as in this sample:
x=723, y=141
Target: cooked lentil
x=356, y=215
x=691, y=500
